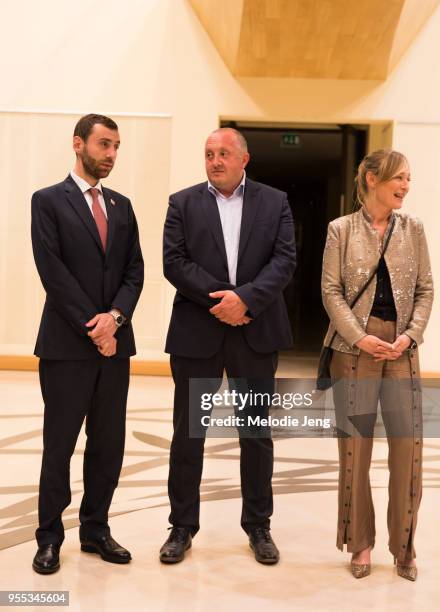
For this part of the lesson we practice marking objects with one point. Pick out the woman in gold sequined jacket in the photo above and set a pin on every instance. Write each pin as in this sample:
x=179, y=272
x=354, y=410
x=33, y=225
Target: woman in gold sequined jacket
x=375, y=346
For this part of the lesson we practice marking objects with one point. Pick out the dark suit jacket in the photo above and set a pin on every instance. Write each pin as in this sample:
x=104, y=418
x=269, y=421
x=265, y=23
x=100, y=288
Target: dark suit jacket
x=195, y=263
x=79, y=278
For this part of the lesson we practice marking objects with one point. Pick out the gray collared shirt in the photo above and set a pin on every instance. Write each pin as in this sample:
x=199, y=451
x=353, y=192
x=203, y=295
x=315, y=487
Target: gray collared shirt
x=230, y=210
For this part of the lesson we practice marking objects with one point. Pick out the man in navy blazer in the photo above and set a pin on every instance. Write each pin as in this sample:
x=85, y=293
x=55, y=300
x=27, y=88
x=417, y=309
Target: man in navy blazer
x=229, y=251
x=86, y=248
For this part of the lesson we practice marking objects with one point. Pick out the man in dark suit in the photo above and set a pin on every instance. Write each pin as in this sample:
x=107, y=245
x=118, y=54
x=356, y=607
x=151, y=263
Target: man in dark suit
x=229, y=250
x=86, y=249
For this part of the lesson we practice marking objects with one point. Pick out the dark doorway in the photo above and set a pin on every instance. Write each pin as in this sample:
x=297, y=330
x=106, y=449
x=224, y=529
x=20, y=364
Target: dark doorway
x=316, y=167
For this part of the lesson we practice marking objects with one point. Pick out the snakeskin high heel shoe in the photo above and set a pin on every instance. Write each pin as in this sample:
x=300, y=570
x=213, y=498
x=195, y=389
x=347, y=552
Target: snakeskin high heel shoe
x=409, y=572
x=360, y=570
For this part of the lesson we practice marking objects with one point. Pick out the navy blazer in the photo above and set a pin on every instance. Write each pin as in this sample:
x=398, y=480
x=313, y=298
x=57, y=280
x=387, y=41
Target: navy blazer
x=79, y=278
x=195, y=263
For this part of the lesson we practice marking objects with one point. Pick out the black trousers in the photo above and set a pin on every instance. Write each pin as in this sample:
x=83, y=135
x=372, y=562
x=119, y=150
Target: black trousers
x=186, y=456
x=94, y=389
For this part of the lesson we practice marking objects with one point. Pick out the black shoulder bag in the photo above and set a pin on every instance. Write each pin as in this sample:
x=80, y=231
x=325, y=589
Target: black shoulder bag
x=323, y=378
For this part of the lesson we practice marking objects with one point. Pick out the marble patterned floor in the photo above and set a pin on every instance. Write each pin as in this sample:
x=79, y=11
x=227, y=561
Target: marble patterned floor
x=219, y=573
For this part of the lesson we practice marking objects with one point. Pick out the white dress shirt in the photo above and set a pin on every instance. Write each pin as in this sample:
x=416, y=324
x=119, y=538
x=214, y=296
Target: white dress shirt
x=84, y=186
x=230, y=210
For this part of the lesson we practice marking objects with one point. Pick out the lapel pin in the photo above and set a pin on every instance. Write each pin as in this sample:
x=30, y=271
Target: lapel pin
x=112, y=202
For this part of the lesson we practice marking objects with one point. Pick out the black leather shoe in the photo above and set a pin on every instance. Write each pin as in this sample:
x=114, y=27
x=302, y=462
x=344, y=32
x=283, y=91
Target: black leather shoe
x=263, y=546
x=106, y=546
x=179, y=541
x=47, y=559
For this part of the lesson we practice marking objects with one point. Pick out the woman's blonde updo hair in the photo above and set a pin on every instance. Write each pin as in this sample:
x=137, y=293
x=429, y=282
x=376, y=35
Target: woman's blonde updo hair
x=384, y=163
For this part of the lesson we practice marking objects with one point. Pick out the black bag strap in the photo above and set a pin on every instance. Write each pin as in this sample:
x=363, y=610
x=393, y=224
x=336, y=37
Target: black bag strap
x=367, y=284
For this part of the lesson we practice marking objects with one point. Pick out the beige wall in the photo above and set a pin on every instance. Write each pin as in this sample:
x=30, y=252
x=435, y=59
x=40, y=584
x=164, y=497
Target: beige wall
x=156, y=58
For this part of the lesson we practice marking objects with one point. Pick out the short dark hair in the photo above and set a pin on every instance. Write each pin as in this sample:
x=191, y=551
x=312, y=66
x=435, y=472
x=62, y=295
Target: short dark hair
x=85, y=125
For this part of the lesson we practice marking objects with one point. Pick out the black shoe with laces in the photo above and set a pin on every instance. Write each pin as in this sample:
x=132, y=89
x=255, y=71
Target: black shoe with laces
x=178, y=542
x=107, y=548
x=47, y=559
x=263, y=546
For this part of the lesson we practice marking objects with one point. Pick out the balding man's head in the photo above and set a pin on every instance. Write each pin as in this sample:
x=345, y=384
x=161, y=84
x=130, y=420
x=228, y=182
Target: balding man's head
x=241, y=140
x=226, y=156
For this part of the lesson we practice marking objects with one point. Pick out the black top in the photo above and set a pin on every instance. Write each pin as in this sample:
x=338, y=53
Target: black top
x=383, y=305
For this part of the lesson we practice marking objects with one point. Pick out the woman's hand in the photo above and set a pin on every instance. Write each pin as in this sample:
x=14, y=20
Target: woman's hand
x=399, y=345
x=375, y=346
x=382, y=350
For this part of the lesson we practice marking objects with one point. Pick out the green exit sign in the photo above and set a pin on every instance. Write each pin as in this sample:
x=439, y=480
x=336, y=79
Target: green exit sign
x=288, y=139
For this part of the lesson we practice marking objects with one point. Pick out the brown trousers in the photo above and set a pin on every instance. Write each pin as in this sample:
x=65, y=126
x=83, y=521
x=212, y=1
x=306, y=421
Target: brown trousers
x=360, y=383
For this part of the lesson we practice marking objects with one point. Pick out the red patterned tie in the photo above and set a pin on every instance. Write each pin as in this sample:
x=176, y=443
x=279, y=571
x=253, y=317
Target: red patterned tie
x=100, y=218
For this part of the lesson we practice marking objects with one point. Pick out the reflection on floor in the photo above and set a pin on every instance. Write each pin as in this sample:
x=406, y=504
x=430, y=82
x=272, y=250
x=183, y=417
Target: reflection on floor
x=220, y=572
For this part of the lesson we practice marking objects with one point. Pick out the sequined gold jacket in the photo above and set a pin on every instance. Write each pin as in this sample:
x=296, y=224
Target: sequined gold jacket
x=351, y=253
